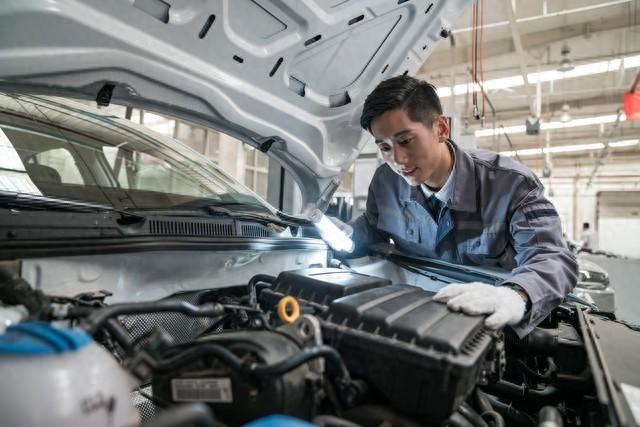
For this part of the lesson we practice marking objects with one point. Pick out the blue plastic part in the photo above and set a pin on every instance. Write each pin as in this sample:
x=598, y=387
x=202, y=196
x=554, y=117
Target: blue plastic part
x=38, y=338
x=279, y=421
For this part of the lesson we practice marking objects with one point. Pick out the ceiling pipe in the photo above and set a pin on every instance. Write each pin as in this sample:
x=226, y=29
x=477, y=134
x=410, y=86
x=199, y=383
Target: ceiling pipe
x=605, y=151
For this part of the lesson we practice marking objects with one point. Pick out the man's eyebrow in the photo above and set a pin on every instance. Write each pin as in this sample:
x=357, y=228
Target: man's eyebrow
x=397, y=135
x=402, y=132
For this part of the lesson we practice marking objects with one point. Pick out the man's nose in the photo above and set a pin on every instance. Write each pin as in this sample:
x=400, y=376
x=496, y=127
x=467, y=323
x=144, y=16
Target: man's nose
x=399, y=155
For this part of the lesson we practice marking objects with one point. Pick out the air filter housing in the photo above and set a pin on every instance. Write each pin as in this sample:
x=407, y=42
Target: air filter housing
x=419, y=355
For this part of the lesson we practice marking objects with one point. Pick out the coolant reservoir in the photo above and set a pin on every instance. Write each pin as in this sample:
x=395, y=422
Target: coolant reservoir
x=59, y=377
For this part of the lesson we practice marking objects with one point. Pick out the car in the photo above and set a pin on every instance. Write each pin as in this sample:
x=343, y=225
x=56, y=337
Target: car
x=593, y=286
x=139, y=283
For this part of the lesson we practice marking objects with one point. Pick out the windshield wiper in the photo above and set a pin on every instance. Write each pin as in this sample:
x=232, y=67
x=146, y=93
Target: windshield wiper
x=256, y=216
x=36, y=201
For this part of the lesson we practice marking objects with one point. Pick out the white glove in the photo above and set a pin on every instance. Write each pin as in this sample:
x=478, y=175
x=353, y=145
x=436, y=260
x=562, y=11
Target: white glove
x=344, y=227
x=504, y=305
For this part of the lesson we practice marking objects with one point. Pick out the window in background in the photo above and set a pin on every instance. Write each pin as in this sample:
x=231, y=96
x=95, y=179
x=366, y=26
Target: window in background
x=256, y=171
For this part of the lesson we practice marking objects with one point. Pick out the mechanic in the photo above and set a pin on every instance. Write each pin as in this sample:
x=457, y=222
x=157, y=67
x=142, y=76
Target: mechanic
x=434, y=199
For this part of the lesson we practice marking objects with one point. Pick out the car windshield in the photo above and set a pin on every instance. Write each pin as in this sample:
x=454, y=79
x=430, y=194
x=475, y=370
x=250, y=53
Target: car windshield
x=57, y=148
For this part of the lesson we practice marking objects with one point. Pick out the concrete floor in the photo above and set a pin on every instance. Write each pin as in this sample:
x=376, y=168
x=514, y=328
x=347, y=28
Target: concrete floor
x=624, y=275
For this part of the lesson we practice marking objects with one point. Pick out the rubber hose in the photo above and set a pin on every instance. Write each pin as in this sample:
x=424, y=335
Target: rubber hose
x=470, y=414
x=512, y=416
x=99, y=316
x=549, y=416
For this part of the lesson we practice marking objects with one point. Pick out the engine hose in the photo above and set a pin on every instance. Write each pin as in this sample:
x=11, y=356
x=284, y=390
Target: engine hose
x=195, y=353
x=119, y=334
x=100, y=316
x=15, y=290
x=512, y=416
x=483, y=401
x=470, y=414
x=538, y=342
x=195, y=415
x=549, y=416
x=258, y=370
x=498, y=421
x=458, y=420
x=486, y=410
x=306, y=355
x=253, y=282
x=550, y=394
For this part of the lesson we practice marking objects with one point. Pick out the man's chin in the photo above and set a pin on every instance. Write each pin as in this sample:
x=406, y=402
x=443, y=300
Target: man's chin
x=411, y=180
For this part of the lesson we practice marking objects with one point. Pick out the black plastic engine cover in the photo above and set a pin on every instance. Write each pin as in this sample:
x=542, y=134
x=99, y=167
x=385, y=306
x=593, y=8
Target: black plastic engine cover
x=234, y=398
x=323, y=285
x=419, y=355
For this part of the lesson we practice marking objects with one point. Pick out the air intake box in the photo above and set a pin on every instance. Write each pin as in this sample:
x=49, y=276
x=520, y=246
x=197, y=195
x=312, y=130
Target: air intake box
x=419, y=355
x=321, y=285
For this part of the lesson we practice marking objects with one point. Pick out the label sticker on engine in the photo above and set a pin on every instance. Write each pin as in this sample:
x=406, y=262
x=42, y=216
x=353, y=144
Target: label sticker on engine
x=632, y=394
x=217, y=390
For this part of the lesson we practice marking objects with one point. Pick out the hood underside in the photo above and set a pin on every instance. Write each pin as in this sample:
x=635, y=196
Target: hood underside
x=288, y=76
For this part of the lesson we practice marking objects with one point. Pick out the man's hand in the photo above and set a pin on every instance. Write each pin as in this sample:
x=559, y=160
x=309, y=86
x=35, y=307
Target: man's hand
x=504, y=305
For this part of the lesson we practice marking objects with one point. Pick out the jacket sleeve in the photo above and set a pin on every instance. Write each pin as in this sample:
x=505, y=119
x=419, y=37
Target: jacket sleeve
x=365, y=231
x=545, y=268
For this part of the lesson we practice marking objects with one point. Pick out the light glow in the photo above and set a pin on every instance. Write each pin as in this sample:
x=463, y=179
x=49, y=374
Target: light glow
x=590, y=69
x=628, y=143
x=330, y=232
x=570, y=148
x=587, y=121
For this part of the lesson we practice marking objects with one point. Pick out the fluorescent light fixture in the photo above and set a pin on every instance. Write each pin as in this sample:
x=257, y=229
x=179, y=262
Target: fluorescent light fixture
x=330, y=232
x=632, y=61
x=569, y=148
x=565, y=116
x=627, y=143
x=587, y=121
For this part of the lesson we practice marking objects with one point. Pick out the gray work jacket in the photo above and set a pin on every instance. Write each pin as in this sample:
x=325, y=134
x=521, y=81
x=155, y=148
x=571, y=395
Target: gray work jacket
x=497, y=215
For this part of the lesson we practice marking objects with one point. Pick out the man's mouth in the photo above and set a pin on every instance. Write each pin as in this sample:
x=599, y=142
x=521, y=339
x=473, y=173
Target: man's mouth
x=408, y=172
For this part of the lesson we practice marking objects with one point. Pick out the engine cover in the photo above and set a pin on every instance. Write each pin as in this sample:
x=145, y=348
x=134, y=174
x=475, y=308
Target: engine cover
x=419, y=355
x=233, y=397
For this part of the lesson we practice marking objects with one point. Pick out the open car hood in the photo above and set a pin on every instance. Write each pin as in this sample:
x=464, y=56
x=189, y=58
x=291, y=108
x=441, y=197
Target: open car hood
x=288, y=77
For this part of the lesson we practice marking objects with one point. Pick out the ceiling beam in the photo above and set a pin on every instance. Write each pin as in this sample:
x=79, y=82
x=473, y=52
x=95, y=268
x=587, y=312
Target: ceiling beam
x=609, y=103
x=522, y=60
x=442, y=57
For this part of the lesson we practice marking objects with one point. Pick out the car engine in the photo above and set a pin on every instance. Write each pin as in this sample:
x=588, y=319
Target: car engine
x=326, y=345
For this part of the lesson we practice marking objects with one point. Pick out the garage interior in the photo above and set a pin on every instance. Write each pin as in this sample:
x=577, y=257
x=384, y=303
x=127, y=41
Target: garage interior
x=551, y=77
x=156, y=271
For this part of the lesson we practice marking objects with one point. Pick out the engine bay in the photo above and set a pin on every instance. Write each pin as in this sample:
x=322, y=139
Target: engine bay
x=326, y=345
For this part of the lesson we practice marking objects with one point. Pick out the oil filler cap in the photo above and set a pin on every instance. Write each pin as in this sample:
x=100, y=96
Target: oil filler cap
x=39, y=338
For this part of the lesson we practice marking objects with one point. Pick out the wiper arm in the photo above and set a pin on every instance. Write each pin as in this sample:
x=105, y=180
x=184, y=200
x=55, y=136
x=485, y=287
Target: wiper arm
x=257, y=216
x=22, y=200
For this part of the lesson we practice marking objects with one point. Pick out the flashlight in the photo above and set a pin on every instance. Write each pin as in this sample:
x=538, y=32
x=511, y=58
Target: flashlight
x=330, y=232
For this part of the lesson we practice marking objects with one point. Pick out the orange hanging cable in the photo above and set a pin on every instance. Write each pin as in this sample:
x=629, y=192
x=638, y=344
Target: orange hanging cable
x=471, y=44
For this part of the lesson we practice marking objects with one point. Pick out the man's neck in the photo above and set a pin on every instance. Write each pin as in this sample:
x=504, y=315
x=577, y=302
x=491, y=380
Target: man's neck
x=440, y=178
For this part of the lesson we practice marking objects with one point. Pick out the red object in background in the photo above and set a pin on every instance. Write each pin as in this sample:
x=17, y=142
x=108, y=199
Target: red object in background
x=632, y=101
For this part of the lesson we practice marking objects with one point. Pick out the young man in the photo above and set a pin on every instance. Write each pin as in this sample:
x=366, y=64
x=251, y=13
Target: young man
x=464, y=206
x=588, y=238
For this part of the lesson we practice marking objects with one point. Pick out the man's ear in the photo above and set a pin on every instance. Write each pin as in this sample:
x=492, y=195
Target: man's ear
x=442, y=128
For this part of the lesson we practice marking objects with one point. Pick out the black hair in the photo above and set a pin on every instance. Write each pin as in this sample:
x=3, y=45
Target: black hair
x=417, y=97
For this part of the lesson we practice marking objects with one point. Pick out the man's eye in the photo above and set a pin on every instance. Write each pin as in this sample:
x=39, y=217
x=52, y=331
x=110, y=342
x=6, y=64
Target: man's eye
x=384, y=148
x=405, y=141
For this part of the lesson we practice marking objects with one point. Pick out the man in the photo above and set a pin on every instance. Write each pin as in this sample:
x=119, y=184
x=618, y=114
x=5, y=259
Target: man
x=589, y=238
x=469, y=207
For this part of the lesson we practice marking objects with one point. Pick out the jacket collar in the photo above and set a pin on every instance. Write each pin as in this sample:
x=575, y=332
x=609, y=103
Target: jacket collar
x=463, y=194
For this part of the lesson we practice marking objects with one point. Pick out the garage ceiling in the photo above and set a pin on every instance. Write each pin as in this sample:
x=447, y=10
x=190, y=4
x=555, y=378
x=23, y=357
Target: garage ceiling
x=604, y=42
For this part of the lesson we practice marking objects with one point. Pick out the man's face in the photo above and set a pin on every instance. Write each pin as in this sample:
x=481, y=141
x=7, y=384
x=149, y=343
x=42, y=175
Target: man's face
x=414, y=151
